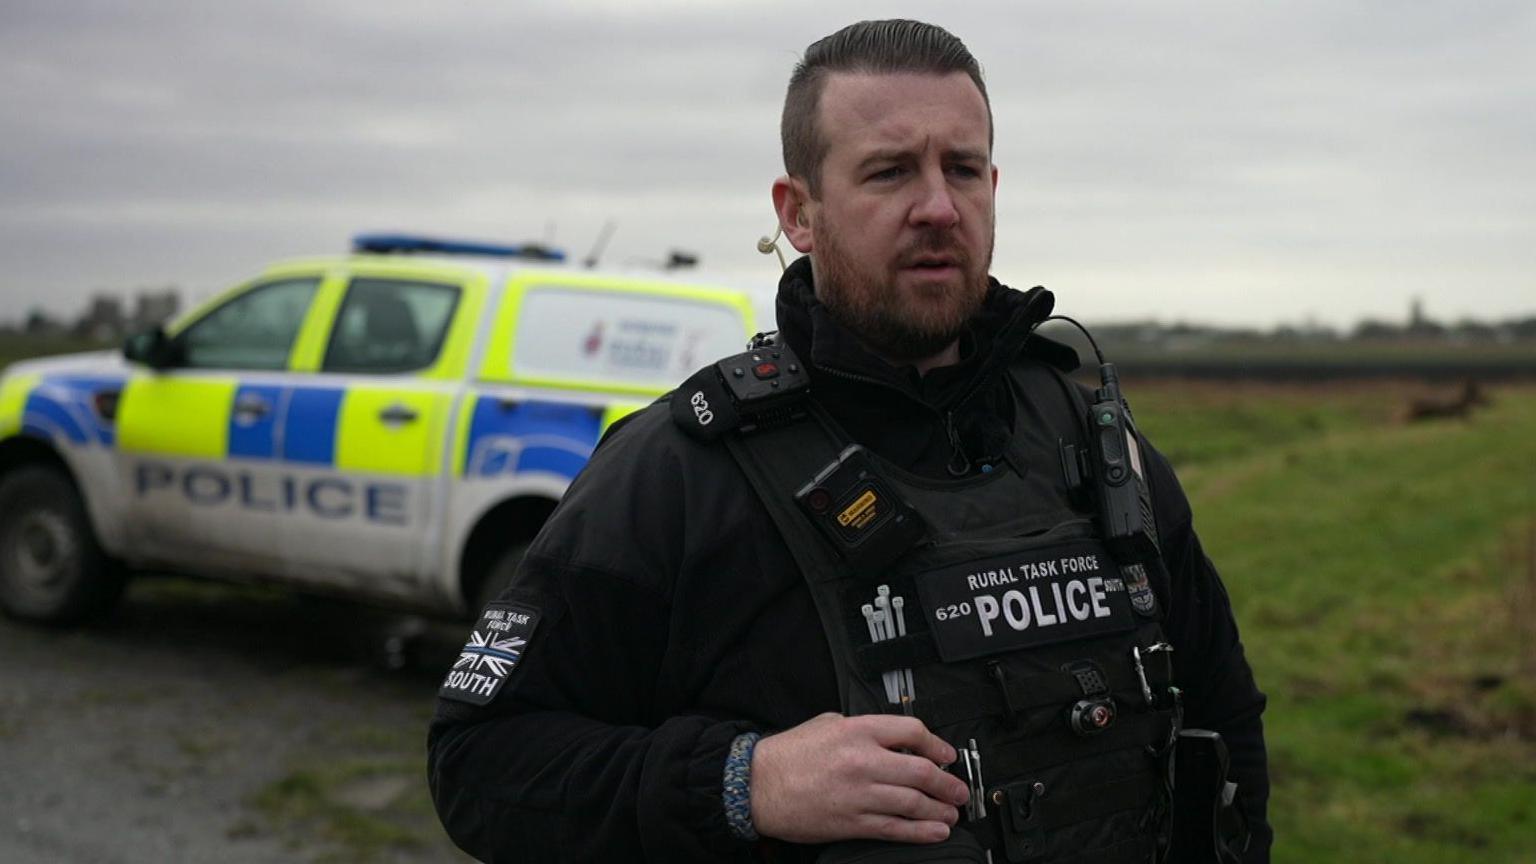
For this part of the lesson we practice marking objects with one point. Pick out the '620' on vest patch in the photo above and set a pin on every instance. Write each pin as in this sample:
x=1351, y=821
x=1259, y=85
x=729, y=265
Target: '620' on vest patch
x=495, y=646
x=1031, y=597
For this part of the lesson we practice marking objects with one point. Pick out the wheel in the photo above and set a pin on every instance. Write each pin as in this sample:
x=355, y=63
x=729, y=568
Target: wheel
x=52, y=570
x=487, y=586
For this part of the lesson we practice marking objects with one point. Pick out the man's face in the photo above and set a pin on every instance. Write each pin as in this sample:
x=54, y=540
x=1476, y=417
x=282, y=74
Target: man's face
x=901, y=233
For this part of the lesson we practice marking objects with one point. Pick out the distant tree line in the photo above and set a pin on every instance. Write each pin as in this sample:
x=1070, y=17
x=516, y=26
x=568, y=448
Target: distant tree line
x=1419, y=328
x=106, y=318
x=1179, y=335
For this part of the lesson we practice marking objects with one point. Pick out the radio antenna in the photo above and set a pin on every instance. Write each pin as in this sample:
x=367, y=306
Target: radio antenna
x=602, y=241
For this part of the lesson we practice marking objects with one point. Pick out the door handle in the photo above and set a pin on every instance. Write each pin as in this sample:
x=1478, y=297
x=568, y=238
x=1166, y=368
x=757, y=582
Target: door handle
x=398, y=414
x=251, y=408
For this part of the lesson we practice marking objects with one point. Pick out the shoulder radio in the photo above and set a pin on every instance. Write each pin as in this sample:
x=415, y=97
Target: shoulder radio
x=1112, y=468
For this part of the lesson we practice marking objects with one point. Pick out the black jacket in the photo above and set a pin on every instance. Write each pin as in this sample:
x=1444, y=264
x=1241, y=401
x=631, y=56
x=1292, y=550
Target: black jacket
x=672, y=617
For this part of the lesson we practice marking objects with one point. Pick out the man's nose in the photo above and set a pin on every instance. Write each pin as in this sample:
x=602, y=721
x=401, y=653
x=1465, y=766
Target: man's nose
x=936, y=202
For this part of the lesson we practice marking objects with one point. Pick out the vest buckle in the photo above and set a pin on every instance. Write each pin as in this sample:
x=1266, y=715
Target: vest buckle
x=1023, y=837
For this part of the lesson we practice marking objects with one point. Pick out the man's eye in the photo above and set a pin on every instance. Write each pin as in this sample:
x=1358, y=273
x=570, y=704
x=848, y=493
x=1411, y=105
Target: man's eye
x=965, y=170
x=891, y=173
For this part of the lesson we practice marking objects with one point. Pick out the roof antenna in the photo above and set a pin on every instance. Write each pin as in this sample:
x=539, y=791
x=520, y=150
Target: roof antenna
x=597, y=248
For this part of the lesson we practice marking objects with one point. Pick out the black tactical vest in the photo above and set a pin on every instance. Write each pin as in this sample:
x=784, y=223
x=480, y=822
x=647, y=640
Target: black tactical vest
x=1020, y=640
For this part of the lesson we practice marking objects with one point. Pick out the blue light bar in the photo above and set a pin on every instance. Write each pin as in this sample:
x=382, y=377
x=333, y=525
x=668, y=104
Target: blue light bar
x=405, y=244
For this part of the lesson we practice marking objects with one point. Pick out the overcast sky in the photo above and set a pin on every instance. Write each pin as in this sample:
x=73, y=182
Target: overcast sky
x=1229, y=162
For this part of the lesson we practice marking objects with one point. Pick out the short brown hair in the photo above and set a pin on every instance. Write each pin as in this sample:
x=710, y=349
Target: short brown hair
x=891, y=46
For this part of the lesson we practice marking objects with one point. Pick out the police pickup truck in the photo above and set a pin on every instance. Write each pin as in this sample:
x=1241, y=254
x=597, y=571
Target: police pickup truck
x=391, y=426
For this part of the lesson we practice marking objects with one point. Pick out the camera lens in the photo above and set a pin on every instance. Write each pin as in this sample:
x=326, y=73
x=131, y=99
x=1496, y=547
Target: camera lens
x=1091, y=716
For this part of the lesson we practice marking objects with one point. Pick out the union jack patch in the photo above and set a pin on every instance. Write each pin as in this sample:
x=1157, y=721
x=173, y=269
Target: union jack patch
x=494, y=648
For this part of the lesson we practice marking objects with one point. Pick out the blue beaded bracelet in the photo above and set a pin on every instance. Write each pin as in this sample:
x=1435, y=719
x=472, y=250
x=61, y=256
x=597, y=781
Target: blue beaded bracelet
x=736, y=790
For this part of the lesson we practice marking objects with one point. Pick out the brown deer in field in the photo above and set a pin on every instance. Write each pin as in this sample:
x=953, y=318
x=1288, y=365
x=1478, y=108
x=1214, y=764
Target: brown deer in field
x=1431, y=407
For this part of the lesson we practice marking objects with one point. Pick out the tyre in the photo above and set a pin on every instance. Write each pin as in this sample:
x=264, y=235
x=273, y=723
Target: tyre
x=496, y=577
x=52, y=570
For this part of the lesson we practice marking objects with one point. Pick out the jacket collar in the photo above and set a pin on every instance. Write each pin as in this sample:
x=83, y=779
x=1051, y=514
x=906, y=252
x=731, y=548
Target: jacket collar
x=993, y=338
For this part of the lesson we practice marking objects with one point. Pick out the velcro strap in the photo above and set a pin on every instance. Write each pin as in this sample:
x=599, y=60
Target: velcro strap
x=1027, y=694
x=1054, y=744
x=987, y=700
x=903, y=652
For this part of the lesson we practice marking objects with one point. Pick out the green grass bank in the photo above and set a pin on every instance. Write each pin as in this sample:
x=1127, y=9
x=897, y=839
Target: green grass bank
x=1384, y=575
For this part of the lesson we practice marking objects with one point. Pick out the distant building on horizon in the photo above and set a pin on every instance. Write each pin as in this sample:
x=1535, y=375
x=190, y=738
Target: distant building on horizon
x=106, y=320
x=152, y=308
x=103, y=320
x=1420, y=324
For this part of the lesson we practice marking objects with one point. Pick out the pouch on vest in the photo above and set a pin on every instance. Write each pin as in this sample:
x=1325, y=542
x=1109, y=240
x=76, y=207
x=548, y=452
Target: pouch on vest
x=1209, y=825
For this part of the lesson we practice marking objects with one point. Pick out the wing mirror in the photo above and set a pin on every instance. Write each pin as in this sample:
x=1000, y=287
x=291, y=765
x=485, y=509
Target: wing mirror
x=152, y=348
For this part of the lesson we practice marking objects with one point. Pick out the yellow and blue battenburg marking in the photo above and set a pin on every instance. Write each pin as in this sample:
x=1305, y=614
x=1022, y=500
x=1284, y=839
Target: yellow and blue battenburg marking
x=298, y=424
x=169, y=417
x=508, y=437
x=62, y=408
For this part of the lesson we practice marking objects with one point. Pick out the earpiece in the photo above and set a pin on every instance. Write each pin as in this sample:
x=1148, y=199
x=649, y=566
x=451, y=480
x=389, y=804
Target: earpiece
x=770, y=245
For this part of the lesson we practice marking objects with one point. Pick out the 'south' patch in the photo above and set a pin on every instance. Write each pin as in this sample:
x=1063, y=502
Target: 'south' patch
x=495, y=646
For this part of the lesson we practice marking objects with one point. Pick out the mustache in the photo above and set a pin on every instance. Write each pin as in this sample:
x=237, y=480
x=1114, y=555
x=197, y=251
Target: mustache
x=933, y=242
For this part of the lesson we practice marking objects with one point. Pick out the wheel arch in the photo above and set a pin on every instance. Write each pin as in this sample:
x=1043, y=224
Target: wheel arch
x=513, y=521
x=96, y=585
x=22, y=450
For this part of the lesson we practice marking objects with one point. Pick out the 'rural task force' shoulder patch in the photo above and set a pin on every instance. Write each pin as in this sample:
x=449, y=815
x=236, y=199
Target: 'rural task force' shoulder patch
x=495, y=646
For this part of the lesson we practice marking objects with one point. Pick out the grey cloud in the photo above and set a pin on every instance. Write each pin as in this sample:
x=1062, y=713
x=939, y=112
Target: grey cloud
x=1156, y=160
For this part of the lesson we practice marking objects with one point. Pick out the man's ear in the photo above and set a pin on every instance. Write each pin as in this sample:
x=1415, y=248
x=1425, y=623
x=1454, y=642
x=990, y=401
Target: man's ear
x=791, y=200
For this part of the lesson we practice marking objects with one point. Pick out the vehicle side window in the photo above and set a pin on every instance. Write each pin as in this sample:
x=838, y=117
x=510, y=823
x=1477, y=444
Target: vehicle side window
x=253, y=331
x=389, y=325
x=570, y=334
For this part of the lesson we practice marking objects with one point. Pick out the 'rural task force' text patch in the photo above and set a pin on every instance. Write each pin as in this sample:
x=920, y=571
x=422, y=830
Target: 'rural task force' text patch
x=1027, y=598
x=495, y=645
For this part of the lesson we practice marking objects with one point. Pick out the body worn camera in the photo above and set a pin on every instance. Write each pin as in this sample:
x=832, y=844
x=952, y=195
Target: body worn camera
x=1091, y=716
x=1096, y=711
x=862, y=515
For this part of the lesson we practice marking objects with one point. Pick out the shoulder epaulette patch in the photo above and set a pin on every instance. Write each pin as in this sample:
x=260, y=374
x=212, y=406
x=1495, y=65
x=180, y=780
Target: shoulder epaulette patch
x=702, y=406
x=740, y=392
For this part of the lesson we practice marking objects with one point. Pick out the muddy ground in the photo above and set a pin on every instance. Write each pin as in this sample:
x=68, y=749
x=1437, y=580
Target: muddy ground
x=209, y=723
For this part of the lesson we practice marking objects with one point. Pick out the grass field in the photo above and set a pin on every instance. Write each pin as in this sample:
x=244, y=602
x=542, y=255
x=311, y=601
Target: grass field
x=14, y=347
x=1384, y=575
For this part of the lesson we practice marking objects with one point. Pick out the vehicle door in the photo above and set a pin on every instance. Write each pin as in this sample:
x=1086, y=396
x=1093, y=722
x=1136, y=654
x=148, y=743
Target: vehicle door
x=197, y=441
x=365, y=436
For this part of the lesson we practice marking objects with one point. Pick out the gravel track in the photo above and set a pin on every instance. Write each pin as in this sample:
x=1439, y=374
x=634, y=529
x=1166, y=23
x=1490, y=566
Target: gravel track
x=209, y=723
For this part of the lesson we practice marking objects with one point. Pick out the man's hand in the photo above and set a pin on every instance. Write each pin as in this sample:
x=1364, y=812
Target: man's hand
x=842, y=778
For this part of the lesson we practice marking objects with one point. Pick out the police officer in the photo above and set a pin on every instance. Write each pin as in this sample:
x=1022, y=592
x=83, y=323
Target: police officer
x=660, y=683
